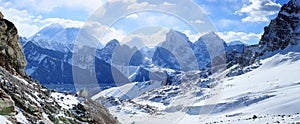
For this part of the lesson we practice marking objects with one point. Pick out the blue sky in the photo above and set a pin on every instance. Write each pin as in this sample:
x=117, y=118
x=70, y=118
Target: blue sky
x=233, y=19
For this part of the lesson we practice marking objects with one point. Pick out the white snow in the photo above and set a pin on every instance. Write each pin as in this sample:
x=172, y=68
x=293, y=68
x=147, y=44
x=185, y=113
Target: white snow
x=21, y=79
x=130, y=90
x=65, y=101
x=21, y=118
x=271, y=92
x=34, y=100
x=4, y=120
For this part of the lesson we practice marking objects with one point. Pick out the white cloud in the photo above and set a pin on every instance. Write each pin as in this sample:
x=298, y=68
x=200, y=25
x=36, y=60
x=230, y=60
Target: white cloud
x=226, y=23
x=45, y=6
x=197, y=22
x=65, y=22
x=21, y=19
x=147, y=38
x=27, y=14
x=28, y=24
x=193, y=37
x=168, y=4
x=111, y=34
x=103, y=33
x=239, y=36
x=132, y=16
x=259, y=10
x=140, y=5
x=7, y=4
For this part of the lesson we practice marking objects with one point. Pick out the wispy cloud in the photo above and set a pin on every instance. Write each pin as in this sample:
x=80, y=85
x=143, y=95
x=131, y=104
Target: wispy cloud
x=197, y=21
x=22, y=19
x=102, y=32
x=228, y=23
x=150, y=36
x=31, y=15
x=259, y=10
x=249, y=38
x=140, y=5
x=133, y=16
x=46, y=6
x=27, y=14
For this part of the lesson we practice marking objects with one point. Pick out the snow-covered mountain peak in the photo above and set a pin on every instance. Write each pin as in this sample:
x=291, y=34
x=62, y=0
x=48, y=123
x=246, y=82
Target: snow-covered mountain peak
x=210, y=36
x=48, y=31
x=54, y=25
x=236, y=43
x=56, y=32
x=56, y=37
x=174, y=35
x=112, y=43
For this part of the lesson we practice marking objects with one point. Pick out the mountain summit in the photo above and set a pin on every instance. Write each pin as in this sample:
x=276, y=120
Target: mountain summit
x=284, y=30
x=56, y=37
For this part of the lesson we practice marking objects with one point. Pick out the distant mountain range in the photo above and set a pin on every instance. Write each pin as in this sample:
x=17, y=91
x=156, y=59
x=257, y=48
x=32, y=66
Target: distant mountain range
x=49, y=54
x=177, y=81
x=260, y=83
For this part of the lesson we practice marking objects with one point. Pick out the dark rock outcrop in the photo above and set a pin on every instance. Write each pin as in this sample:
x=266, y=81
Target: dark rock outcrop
x=7, y=105
x=282, y=30
x=11, y=52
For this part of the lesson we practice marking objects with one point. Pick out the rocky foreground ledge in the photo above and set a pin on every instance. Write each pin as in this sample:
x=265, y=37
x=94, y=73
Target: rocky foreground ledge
x=23, y=100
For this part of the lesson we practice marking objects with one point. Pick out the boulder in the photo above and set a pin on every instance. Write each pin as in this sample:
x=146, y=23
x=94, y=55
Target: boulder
x=83, y=93
x=7, y=105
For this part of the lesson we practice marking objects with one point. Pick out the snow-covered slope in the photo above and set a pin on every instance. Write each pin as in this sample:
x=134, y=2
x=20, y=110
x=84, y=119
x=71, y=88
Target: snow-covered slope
x=267, y=94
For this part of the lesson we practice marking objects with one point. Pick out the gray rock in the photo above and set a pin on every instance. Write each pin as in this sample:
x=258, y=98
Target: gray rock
x=9, y=42
x=1, y=15
x=83, y=93
x=7, y=105
x=3, y=26
x=33, y=108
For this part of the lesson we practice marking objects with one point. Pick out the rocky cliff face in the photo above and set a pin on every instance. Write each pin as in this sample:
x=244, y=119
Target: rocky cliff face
x=283, y=30
x=23, y=100
x=11, y=52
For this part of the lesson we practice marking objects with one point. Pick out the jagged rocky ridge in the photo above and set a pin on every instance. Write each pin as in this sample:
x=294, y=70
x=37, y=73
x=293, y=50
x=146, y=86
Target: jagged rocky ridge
x=282, y=31
x=58, y=64
x=24, y=100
